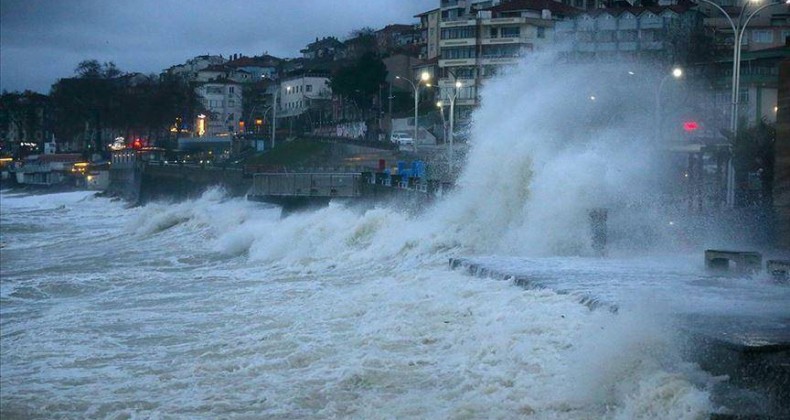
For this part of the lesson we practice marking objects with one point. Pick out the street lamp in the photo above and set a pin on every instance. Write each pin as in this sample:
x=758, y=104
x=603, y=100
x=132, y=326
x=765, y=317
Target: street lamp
x=677, y=73
x=290, y=120
x=274, y=108
x=424, y=78
x=452, y=97
x=738, y=29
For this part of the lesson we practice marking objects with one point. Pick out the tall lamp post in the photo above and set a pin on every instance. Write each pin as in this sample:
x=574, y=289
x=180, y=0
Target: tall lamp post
x=274, y=107
x=738, y=29
x=424, y=78
x=677, y=73
x=274, y=114
x=451, y=98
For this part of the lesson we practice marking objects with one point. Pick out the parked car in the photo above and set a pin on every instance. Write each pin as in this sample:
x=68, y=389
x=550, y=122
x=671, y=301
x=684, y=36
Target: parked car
x=401, y=138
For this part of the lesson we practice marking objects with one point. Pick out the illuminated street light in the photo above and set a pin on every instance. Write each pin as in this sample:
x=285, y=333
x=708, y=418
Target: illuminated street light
x=677, y=73
x=424, y=78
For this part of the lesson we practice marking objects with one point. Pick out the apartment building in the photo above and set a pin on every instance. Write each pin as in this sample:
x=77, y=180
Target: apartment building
x=222, y=100
x=768, y=28
x=429, y=34
x=660, y=34
x=478, y=37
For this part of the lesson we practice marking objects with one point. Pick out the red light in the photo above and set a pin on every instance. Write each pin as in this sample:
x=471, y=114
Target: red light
x=137, y=144
x=690, y=126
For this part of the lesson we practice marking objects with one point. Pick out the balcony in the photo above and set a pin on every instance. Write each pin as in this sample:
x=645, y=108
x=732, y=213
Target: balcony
x=500, y=60
x=458, y=42
x=458, y=22
x=450, y=83
x=652, y=45
x=607, y=46
x=504, y=21
x=450, y=4
x=505, y=40
x=626, y=46
x=455, y=62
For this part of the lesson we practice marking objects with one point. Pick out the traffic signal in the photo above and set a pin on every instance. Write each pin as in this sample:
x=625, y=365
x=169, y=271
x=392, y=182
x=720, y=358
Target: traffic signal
x=690, y=126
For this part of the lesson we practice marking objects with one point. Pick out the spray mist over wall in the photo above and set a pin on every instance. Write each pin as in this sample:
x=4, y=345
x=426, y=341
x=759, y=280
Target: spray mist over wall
x=549, y=143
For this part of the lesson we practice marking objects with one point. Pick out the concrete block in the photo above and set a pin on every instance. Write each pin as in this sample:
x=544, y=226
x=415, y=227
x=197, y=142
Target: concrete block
x=779, y=269
x=744, y=262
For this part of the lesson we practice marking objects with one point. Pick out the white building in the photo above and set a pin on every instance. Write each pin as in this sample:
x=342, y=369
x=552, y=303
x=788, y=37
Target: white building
x=223, y=102
x=298, y=93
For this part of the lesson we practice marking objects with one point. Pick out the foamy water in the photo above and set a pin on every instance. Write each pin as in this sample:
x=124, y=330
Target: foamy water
x=216, y=307
x=172, y=310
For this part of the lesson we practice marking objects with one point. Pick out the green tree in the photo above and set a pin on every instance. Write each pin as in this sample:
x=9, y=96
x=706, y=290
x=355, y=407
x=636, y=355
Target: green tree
x=753, y=153
x=361, y=81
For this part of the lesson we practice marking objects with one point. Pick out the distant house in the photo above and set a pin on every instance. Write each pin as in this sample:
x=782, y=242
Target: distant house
x=252, y=69
x=213, y=73
x=398, y=38
x=188, y=70
x=324, y=48
x=223, y=102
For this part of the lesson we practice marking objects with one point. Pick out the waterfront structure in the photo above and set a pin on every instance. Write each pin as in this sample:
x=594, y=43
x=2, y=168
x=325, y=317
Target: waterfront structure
x=49, y=169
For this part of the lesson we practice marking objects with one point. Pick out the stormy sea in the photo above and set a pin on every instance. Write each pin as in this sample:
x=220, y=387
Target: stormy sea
x=216, y=307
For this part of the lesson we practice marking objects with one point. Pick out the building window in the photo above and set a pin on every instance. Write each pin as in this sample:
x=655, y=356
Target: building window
x=458, y=33
x=493, y=33
x=231, y=102
x=513, y=32
x=459, y=52
x=763, y=36
x=231, y=89
x=541, y=32
x=309, y=88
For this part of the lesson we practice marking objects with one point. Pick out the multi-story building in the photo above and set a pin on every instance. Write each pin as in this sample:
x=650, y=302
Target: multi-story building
x=429, y=36
x=767, y=29
x=298, y=94
x=759, y=85
x=476, y=38
x=222, y=100
x=659, y=34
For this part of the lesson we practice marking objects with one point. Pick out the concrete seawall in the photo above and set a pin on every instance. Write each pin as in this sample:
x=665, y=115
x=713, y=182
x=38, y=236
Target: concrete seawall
x=755, y=356
x=181, y=181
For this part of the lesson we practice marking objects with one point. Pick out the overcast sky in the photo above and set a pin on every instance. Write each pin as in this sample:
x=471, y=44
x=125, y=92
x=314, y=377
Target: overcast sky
x=44, y=40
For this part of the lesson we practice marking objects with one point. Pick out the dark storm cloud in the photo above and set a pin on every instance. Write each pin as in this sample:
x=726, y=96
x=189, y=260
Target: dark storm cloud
x=43, y=40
